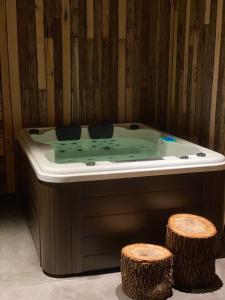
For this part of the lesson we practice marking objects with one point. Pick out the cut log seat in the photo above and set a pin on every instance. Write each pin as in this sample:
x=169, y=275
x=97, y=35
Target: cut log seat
x=146, y=272
x=192, y=240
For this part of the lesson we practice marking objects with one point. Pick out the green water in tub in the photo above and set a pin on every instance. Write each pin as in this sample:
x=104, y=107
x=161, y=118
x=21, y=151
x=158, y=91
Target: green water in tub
x=113, y=149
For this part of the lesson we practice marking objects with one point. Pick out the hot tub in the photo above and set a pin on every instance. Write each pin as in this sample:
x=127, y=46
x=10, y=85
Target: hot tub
x=89, y=196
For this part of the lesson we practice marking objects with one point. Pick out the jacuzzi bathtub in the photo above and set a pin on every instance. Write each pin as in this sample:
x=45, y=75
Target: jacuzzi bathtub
x=87, y=198
x=168, y=155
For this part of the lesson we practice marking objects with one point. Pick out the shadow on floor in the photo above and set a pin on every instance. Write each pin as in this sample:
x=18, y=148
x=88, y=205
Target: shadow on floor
x=88, y=273
x=216, y=285
x=120, y=294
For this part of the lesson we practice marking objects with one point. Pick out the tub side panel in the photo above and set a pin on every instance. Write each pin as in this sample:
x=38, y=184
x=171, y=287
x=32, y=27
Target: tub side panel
x=28, y=187
x=53, y=215
x=119, y=212
x=80, y=227
x=213, y=201
x=59, y=229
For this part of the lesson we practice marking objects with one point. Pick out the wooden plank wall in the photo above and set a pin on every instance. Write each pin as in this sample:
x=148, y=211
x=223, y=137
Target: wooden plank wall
x=196, y=98
x=82, y=61
x=2, y=150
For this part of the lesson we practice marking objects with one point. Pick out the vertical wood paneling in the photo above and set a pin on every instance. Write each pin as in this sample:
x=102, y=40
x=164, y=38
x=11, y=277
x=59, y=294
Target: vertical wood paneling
x=220, y=108
x=90, y=60
x=90, y=19
x=137, y=57
x=84, y=61
x=74, y=20
x=198, y=22
x=40, y=44
x=75, y=80
x=193, y=82
x=122, y=19
x=39, y=13
x=113, y=61
x=66, y=62
x=90, y=80
x=185, y=71
x=207, y=11
x=121, y=80
x=122, y=61
x=23, y=65
x=2, y=146
x=163, y=64
x=180, y=68
x=50, y=81
x=105, y=19
x=105, y=59
x=219, y=20
x=31, y=43
x=144, y=61
x=11, y=12
x=98, y=63
x=207, y=75
x=173, y=72
x=6, y=100
x=129, y=74
x=55, y=31
x=155, y=45
x=169, y=98
x=43, y=113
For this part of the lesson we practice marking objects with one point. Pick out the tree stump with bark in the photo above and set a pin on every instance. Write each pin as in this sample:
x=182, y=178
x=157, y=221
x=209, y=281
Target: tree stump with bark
x=192, y=240
x=146, y=272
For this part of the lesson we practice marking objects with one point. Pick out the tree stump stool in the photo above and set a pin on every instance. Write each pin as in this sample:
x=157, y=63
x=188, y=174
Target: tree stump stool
x=146, y=272
x=192, y=240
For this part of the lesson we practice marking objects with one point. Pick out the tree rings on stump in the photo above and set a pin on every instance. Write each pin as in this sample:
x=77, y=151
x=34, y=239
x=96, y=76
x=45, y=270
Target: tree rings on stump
x=192, y=240
x=146, y=272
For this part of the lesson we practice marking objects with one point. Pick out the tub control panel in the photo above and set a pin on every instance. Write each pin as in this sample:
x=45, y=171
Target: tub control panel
x=170, y=146
x=168, y=138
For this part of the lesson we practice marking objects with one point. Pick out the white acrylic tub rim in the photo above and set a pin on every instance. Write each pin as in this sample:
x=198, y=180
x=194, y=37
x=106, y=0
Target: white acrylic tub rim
x=76, y=172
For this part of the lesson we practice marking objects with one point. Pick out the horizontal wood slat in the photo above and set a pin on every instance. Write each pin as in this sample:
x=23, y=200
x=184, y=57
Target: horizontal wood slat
x=106, y=234
x=117, y=204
